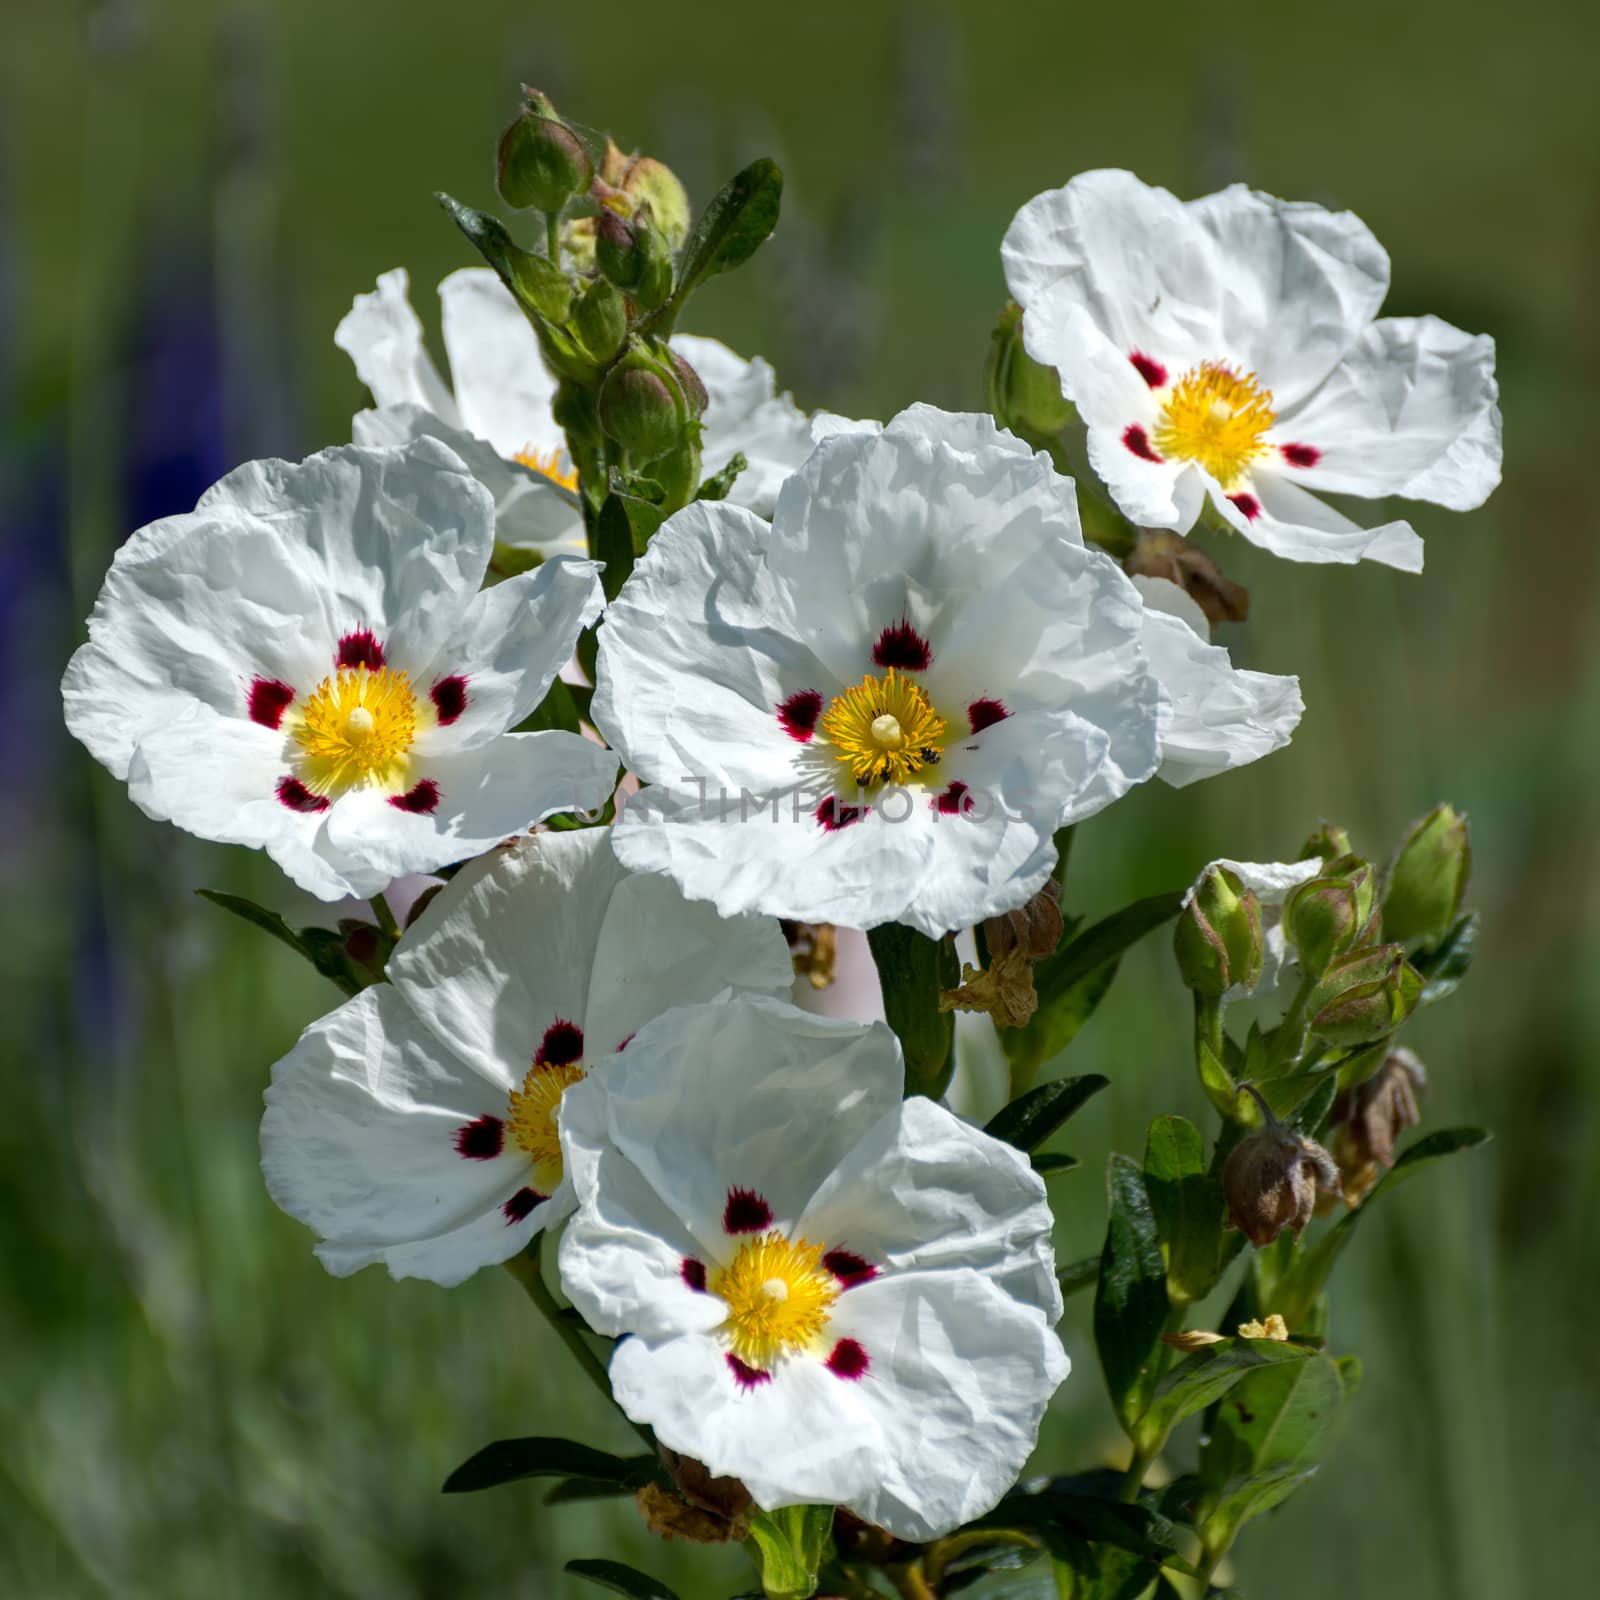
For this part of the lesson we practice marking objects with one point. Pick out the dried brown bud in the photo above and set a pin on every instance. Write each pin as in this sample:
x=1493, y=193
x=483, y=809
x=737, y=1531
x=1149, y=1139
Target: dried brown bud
x=1005, y=990
x=812, y=947
x=1271, y=1180
x=1160, y=554
x=1370, y=1117
x=701, y=1508
x=1034, y=929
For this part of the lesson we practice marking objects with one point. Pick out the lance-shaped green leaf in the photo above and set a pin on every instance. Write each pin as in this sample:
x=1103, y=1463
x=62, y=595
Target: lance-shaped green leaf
x=1298, y=1290
x=1105, y=941
x=793, y=1543
x=729, y=231
x=912, y=971
x=1186, y=1201
x=1445, y=965
x=1052, y=1163
x=1062, y=1505
x=1249, y=1496
x=536, y=284
x=613, y=1575
x=1078, y=1275
x=954, y=1562
x=1028, y=1121
x=320, y=946
x=507, y=1460
x=1130, y=1305
x=1204, y=1377
x=614, y=545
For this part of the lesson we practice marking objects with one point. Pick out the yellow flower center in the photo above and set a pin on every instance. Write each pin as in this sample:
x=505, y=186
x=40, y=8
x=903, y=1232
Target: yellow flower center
x=1216, y=417
x=357, y=728
x=778, y=1295
x=884, y=729
x=531, y=1117
x=548, y=464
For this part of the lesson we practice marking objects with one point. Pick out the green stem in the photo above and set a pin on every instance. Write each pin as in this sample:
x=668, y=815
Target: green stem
x=1208, y=1566
x=552, y=236
x=1208, y=1023
x=1133, y=1478
x=1286, y=1036
x=912, y=971
x=525, y=1269
x=386, y=918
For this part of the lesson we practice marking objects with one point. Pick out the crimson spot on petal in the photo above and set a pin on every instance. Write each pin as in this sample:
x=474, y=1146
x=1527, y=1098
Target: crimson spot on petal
x=561, y=1046
x=449, y=696
x=902, y=646
x=849, y=1268
x=625, y=1043
x=1138, y=441
x=747, y=1377
x=480, y=1140
x=297, y=797
x=798, y=714
x=745, y=1212
x=1301, y=455
x=269, y=699
x=954, y=801
x=421, y=800
x=1249, y=506
x=1149, y=369
x=521, y=1204
x=833, y=816
x=361, y=649
x=983, y=714
x=694, y=1274
x=848, y=1360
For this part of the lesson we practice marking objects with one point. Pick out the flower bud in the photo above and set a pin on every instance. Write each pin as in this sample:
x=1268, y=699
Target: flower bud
x=1024, y=394
x=616, y=250
x=646, y=402
x=1368, y=1118
x=1428, y=878
x=602, y=320
x=1324, y=916
x=542, y=161
x=655, y=261
x=1271, y=1178
x=1326, y=842
x=1218, y=940
x=648, y=182
x=1363, y=996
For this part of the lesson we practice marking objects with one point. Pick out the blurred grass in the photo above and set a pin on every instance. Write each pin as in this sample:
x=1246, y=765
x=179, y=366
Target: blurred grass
x=190, y=193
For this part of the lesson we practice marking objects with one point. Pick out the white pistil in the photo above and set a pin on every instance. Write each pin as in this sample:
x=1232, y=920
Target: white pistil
x=359, y=722
x=886, y=731
x=775, y=1289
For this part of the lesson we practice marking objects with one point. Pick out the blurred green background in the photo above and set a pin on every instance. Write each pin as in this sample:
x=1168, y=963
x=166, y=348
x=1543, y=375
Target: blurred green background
x=190, y=194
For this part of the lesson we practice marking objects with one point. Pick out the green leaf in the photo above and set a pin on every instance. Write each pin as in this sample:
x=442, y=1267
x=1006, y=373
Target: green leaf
x=315, y=950
x=1204, y=1377
x=614, y=544
x=1106, y=941
x=1065, y=1504
x=1297, y=1292
x=1053, y=1027
x=561, y=708
x=1078, y=1275
x=1248, y=1496
x=577, y=1491
x=730, y=230
x=1130, y=1306
x=507, y=1460
x=1217, y=1082
x=1051, y=1164
x=794, y=1542
x=536, y=284
x=912, y=972
x=1186, y=1201
x=716, y=487
x=644, y=517
x=1446, y=964
x=619, y=1579
x=1027, y=1122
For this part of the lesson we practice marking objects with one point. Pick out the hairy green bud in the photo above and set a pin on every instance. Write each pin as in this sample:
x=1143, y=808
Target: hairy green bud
x=542, y=162
x=1328, y=914
x=1428, y=878
x=1364, y=996
x=1218, y=940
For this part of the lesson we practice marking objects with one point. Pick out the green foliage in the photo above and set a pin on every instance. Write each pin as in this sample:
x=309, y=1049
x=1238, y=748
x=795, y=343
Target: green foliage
x=913, y=970
x=508, y=1460
x=1130, y=1305
x=730, y=230
x=793, y=1543
x=1186, y=1202
x=322, y=948
x=619, y=1579
x=1029, y=1120
x=1202, y=1378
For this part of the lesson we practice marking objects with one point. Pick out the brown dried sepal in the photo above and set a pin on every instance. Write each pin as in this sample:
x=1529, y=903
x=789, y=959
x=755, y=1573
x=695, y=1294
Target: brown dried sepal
x=1368, y=1119
x=701, y=1508
x=1271, y=1181
x=1004, y=989
x=1162, y=554
x=1034, y=929
x=813, y=947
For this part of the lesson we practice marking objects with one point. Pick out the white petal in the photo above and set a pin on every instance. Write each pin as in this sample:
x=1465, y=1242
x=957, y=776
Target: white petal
x=358, y=1142
x=1411, y=410
x=698, y=652
x=510, y=643
x=530, y=510
x=382, y=335
x=502, y=385
x=1295, y=524
x=1222, y=717
x=1297, y=285
x=744, y=413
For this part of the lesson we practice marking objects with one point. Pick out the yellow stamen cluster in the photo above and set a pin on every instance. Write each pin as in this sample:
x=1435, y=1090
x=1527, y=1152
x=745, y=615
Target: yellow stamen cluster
x=778, y=1295
x=357, y=728
x=531, y=1119
x=884, y=729
x=1216, y=417
x=548, y=464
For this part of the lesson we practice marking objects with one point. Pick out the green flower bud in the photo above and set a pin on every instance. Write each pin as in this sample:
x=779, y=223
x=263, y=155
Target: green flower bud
x=1364, y=996
x=1218, y=940
x=1326, y=915
x=616, y=250
x=648, y=182
x=542, y=162
x=645, y=403
x=1428, y=878
x=1327, y=841
x=655, y=261
x=602, y=320
x=1023, y=394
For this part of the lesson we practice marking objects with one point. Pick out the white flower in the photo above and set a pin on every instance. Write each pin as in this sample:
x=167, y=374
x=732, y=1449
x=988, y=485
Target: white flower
x=837, y=1296
x=1227, y=346
x=1220, y=717
x=304, y=663
x=1272, y=882
x=499, y=418
x=903, y=686
x=416, y=1125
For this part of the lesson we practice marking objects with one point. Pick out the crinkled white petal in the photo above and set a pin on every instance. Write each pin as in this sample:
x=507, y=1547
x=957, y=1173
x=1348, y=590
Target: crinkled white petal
x=1411, y=410
x=382, y=335
x=358, y=1143
x=1292, y=522
x=745, y=414
x=1222, y=717
x=503, y=388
